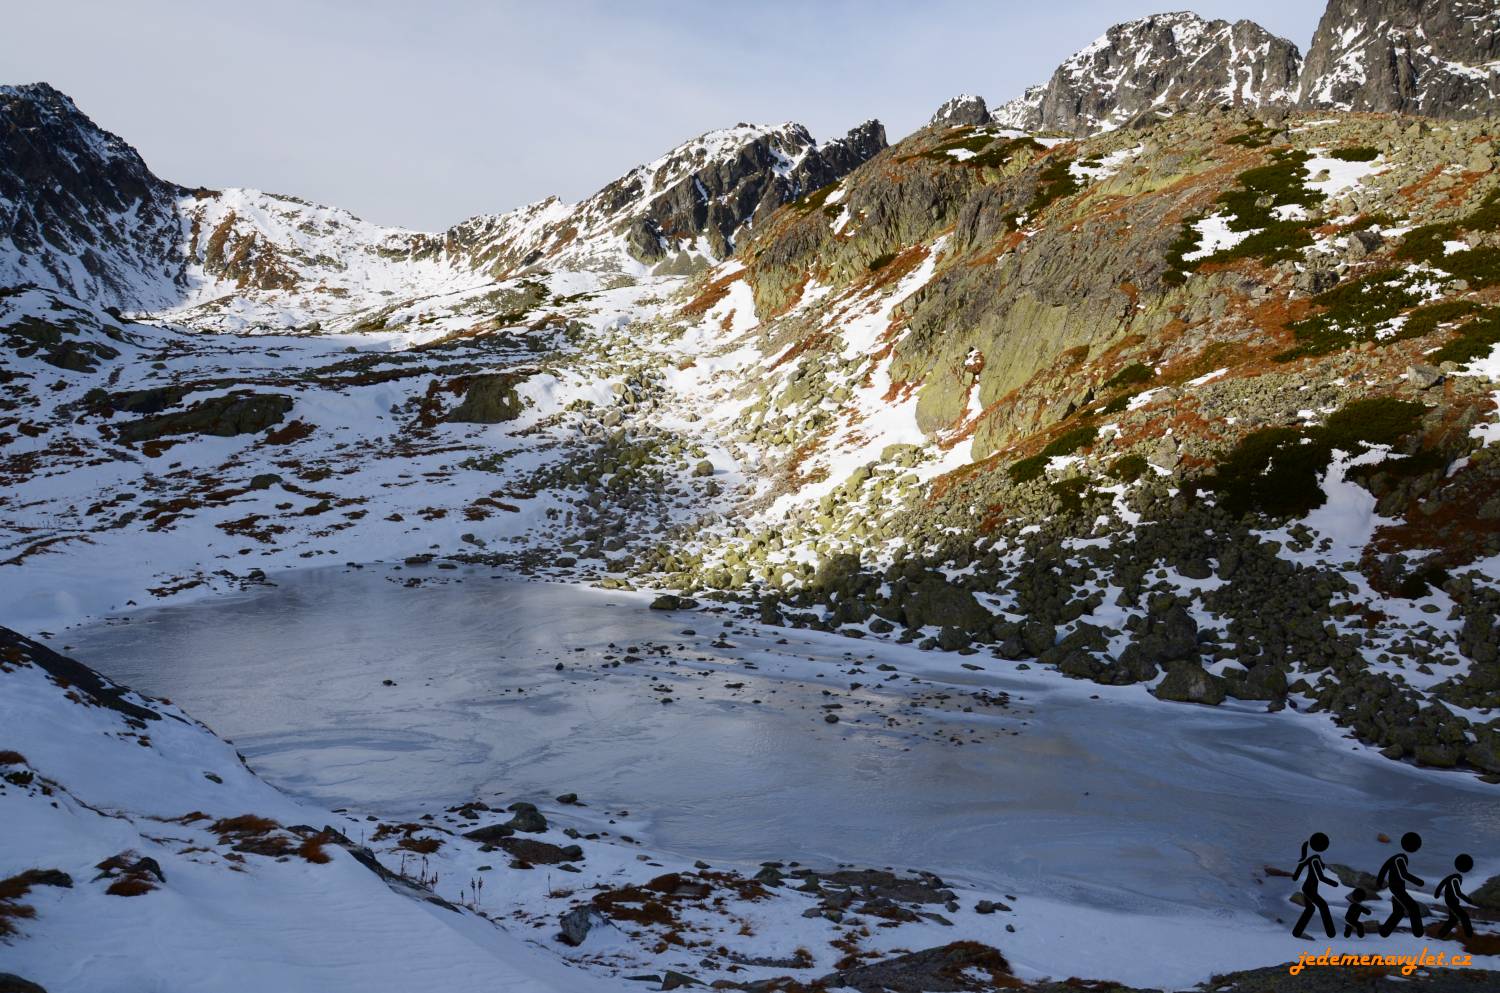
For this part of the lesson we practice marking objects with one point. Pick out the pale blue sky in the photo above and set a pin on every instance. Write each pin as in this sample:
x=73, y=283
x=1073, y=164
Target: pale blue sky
x=424, y=113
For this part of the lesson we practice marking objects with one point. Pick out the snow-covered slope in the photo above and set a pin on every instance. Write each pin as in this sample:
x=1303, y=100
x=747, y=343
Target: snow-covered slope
x=139, y=853
x=1156, y=66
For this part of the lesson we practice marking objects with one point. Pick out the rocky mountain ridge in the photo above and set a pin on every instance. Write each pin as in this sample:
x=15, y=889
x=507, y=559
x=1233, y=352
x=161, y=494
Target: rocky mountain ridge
x=1161, y=64
x=1434, y=58
x=80, y=212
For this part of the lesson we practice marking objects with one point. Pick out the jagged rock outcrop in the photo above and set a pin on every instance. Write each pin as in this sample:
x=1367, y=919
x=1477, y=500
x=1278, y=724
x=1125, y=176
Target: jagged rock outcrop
x=1155, y=66
x=711, y=188
x=1438, y=58
x=79, y=210
x=716, y=195
x=966, y=108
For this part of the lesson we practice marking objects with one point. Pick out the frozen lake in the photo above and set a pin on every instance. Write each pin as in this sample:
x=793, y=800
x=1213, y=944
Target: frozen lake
x=1119, y=801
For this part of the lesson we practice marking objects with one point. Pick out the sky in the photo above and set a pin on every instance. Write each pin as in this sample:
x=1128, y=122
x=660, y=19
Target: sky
x=423, y=113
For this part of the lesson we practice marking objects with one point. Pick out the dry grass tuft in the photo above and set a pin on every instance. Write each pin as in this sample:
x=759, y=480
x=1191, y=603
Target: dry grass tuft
x=311, y=849
x=130, y=886
x=242, y=826
x=422, y=846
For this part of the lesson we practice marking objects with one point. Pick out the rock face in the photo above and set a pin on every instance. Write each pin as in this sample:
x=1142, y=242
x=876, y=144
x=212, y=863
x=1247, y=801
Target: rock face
x=725, y=180
x=1159, y=65
x=79, y=210
x=962, y=109
x=1439, y=58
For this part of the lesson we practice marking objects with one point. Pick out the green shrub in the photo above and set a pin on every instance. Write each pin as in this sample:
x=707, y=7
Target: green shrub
x=1373, y=421
x=1055, y=181
x=1027, y=469
x=1071, y=441
x=1128, y=468
x=1277, y=241
x=1185, y=243
x=1002, y=153
x=1132, y=375
x=810, y=202
x=1070, y=493
x=1251, y=207
x=1274, y=471
x=881, y=261
x=1356, y=153
x=1277, y=471
x=1475, y=340
x=1425, y=320
x=1256, y=137
x=1352, y=311
x=1426, y=243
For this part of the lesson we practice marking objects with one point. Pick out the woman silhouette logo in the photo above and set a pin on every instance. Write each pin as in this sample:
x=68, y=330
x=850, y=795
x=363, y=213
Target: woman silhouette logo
x=1394, y=874
x=1313, y=864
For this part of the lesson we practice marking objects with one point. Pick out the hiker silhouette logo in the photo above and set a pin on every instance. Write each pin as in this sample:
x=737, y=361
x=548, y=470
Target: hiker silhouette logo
x=1312, y=865
x=1395, y=876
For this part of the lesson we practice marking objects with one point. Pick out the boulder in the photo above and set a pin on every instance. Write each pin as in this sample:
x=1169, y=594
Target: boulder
x=527, y=818
x=1189, y=682
x=577, y=923
x=489, y=399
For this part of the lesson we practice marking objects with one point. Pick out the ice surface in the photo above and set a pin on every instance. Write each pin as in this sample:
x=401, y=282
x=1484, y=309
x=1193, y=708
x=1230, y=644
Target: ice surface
x=1122, y=803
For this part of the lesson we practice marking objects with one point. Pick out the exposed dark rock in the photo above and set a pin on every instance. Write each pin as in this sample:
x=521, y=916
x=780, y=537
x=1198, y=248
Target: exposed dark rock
x=87, y=215
x=954, y=968
x=965, y=109
x=540, y=852
x=16, y=648
x=489, y=399
x=490, y=834
x=527, y=818
x=1188, y=682
x=577, y=923
x=226, y=416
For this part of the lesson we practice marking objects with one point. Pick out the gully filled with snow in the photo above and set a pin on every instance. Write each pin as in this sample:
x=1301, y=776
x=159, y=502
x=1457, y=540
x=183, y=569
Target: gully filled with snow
x=718, y=737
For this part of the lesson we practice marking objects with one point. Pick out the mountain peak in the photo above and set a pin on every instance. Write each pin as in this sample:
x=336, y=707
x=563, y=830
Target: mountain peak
x=966, y=108
x=1159, y=65
x=1438, y=58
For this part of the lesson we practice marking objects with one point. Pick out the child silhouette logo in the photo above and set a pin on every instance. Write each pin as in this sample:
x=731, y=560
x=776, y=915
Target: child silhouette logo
x=1314, y=866
x=1357, y=909
x=1451, y=893
x=1395, y=876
